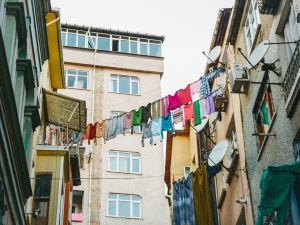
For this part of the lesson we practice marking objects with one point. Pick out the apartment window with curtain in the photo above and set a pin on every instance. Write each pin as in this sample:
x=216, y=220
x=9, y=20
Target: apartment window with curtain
x=124, y=162
x=124, y=84
x=76, y=78
x=41, y=198
x=252, y=25
x=124, y=205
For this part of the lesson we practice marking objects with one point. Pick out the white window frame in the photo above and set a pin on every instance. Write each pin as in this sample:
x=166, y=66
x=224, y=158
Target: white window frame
x=131, y=158
x=185, y=174
x=76, y=78
x=118, y=84
x=253, y=27
x=131, y=201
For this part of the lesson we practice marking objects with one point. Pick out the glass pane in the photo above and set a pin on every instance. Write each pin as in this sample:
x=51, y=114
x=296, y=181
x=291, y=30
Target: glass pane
x=115, y=45
x=112, y=208
x=124, y=208
x=71, y=39
x=81, y=41
x=135, y=166
x=124, y=197
x=63, y=38
x=113, y=85
x=113, y=163
x=133, y=47
x=124, y=164
x=136, y=154
x=83, y=73
x=136, y=212
x=42, y=186
x=71, y=81
x=112, y=196
x=91, y=42
x=71, y=71
x=125, y=154
x=155, y=50
x=82, y=82
x=124, y=86
x=143, y=49
x=113, y=153
x=104, y=44
x=135, y=88
x=125, y=46
x=136, y=198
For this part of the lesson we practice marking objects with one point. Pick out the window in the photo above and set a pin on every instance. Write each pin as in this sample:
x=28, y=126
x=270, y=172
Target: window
x=81, y=39
x=144, y=47
x=124, y=45
x=233, y=145
x=124, y=162
x=124, y=84
x=252, y=25
x=263, y=111
x=92, y=40
x=41, y=198
x=115, y=44
x=77, y=202
x=63, y=37
x=155, y=48
x=187, y=170
x=291, y=33
x=124, y=205
x=76, y=78
x=133, y=45
x=104, y=42
x=71, y=40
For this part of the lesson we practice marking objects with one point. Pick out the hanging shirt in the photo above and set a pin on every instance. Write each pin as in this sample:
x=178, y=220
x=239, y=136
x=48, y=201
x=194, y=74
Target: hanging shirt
x=177, y=116
x=114, y=127
x=164, y=106
x=205, y=89
x=146, y=113
x=202, y=109
x=147, y=133
x=166, y=124
x=173, y=101
x=156, y=128
x=155, y=110
x=99, y=129
x=188, y=113
x=137, y=117
x=107, y=129
x=120, y=125
x=195, y=87
x=209, y=104
x=197, y=113
x=185, y=95
x=127, y=120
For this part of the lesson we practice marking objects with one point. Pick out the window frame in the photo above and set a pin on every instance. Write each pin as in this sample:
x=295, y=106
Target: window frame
x=184, y=170
x=76, y=78
x=117, y=202
x=131, y=158
x=132, y=79
x=82, y=199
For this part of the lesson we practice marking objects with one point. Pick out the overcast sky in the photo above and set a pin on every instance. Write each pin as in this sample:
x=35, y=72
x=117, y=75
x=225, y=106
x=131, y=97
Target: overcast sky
x=187, y=26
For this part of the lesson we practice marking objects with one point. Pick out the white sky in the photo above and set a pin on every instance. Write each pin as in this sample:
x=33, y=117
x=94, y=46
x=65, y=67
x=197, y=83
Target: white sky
x=186, y=24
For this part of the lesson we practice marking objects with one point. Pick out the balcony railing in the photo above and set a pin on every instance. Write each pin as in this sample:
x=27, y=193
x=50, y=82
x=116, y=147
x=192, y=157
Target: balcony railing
x=291, y=82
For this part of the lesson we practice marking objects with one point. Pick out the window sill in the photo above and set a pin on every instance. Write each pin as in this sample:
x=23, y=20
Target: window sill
x=261, y=150
x=81, y=89
x=124, y=93
x=120, y=217
x=118, y=172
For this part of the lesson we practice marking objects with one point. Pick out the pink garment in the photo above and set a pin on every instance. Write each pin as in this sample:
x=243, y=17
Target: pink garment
x=188, y=113
x=185, y=95
x=165, y=107
x=127, y=120
x=195, y=87
x=174, y=102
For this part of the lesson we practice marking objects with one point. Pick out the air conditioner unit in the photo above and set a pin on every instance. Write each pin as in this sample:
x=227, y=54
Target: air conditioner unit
x=238, y=78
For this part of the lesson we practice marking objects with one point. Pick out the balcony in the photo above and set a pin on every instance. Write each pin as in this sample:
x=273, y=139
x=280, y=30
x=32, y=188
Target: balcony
x=268, y=6
x=291, y=83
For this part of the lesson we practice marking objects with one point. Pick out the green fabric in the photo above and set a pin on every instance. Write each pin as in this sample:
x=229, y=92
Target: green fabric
x=275, y=184
x=137, y=117
x=265, y=113
x=203, y=212
x=197, y=113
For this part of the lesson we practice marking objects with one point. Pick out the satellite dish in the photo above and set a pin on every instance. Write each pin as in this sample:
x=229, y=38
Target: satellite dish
x=214, y=54
x=218, y=153
x=200, y=127
x=258, y=54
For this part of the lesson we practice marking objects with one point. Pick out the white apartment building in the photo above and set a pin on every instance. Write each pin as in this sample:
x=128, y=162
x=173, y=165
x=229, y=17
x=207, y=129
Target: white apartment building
x=115, y=72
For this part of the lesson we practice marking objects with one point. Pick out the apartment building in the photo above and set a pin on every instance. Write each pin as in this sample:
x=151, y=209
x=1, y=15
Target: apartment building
x=115, y=72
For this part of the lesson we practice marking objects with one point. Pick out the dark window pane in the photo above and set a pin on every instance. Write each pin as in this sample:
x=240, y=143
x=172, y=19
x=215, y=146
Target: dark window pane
x=115, y=45
x=71, y=39
x=42, y=186
x=125, y=46
x=104, y=44
x=155, y=50
x=133, y=47
x=124, y=85
x=81, y=41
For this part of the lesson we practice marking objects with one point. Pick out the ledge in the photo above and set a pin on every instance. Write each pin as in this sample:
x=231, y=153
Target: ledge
x=33, y=112
x=25, y=66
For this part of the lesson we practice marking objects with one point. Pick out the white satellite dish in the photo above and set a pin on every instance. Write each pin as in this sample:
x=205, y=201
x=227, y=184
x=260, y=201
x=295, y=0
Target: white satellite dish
x=200, y=127
x=214, y=54
x=258, y=54
x=218, y=153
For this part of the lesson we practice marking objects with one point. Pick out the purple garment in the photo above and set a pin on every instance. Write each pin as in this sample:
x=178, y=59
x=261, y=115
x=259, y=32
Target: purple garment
x=209, y=104
x=174, y=102
x=164, y=107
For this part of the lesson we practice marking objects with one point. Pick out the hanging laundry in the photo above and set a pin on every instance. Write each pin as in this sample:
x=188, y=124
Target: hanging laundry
x=213, y=74
x=146, y=113
x=195, y=87
x=164, y=106
x=205, y=89
x=114, y=127
x=197, y=113
x=202, y=203
x=185, y=95
x=99, y=129
x=107, y=129
x=90, y=132
x=166, y=124
x=127, y=120
x=188, y=113
x=137, y=117
x=183, y=202
x=155, y=110
x=173, y=101
x=265, y=113
x=147, y=133
x=212, y=171
x=209, y=104
x=177, y=116
x=156, y=128
x=202, y=109
x=120, y=125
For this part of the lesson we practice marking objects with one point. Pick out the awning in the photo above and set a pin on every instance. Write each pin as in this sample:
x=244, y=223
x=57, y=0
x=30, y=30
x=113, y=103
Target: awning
x=268, y=6
x=62, y=110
